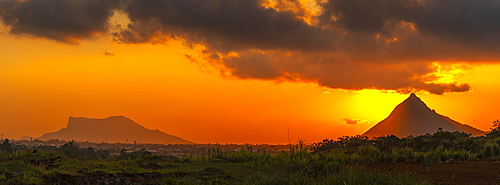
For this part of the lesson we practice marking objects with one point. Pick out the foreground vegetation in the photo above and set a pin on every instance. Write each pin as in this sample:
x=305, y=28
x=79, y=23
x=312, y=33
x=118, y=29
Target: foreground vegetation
x=328, y=162
x=432, y=149
x=299, y=166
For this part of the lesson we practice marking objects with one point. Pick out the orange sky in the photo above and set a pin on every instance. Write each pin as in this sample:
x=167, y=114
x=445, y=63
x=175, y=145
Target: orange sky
x=43, y=82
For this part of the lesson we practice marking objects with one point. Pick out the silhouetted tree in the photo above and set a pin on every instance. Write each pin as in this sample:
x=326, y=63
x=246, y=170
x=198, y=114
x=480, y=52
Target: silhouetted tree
x=6, y=146
x=387, y=143
x=345, y=142
x=495, y=130
x=70, y=149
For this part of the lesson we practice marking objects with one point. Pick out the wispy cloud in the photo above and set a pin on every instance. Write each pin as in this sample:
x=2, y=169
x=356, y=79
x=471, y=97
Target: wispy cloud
x=355, y=121
x=108, y=54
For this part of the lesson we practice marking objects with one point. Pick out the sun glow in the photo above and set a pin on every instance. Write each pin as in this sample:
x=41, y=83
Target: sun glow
x=375, y=105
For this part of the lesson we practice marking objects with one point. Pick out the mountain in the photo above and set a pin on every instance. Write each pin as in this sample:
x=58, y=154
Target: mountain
x=114, y=128
x=413, y=117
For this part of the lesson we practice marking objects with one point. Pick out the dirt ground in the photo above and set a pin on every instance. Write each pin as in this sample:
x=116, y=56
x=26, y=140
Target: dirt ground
x=463, y=173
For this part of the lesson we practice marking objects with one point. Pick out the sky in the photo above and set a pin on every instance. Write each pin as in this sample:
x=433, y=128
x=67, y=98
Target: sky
x=245, y=71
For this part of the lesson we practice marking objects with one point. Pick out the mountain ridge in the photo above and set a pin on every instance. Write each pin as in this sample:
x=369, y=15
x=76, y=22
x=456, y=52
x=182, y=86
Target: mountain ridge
x=111, y=129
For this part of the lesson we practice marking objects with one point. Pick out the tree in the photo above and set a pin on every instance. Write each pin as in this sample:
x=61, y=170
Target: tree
x=5, y=146
x=496, y=125
x=345, y=143
x=495, y=130
x=70, y=149
x=387, y=143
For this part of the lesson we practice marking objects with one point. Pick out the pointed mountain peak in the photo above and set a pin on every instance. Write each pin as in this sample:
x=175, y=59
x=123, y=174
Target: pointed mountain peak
x=413, y=98
x=414, y=117
x=413, y=95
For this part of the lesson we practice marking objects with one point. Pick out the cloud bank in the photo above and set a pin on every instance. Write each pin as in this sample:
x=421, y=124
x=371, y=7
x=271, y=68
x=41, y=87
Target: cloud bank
x=340, y=44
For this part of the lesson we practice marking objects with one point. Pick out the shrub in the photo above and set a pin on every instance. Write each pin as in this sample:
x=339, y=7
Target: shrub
x=368, y=153
x=487, y=151
x=433, y=157
x=401, y=158
x=495, y=150
x=420, y=157
x=480, y=155
x=387, y=143
x=6, y=146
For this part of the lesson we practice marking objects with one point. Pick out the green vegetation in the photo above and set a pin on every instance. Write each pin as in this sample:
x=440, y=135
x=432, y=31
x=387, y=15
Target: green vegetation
x=329, y=162
x=247, y=166
x=437, y=148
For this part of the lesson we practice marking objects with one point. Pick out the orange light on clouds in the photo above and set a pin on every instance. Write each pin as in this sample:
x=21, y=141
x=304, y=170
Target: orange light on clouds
x=171, y=87
x=447, y=73
x=306, y=10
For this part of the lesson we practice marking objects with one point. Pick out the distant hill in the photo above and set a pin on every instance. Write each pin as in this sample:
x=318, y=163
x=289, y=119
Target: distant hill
x=413, y=117
x=114, y=128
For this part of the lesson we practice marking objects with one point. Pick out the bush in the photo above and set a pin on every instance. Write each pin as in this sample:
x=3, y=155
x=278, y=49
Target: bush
x=345, y=143
x=6, y=146
x=387, y=143
x=487, y=151
x=70, y=149
x=433, y=157
x=495, y=150
x=368, y=153
x=419, y=157
x=401, y=158
x=480, y=155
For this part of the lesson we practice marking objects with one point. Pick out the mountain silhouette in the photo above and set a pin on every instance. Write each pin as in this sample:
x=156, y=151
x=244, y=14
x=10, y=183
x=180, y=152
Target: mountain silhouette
x=114, y=129
x=413, y=117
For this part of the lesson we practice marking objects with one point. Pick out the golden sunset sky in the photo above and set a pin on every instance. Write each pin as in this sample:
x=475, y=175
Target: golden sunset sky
x=245, y=71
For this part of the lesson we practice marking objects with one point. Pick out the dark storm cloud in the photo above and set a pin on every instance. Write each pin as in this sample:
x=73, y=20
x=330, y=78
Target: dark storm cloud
x=224, y=25
x=333, y=72
x=475, y=23
x=60, y=20
x=366, y=15
x=470, y=22
x=444, y=88
x=351, y=44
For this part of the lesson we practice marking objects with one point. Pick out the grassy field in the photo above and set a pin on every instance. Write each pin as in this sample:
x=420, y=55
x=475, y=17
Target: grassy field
x=299, y=166
x=346, y=161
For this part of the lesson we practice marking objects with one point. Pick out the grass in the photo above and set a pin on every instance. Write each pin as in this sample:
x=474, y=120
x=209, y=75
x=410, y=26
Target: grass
x=299, y=166
x=328, y=162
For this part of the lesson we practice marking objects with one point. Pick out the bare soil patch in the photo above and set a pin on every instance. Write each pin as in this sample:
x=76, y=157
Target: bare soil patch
x=463, y=173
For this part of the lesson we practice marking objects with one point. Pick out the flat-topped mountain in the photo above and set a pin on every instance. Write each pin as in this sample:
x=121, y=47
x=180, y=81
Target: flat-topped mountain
x=413, y=117
x=114, y=129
